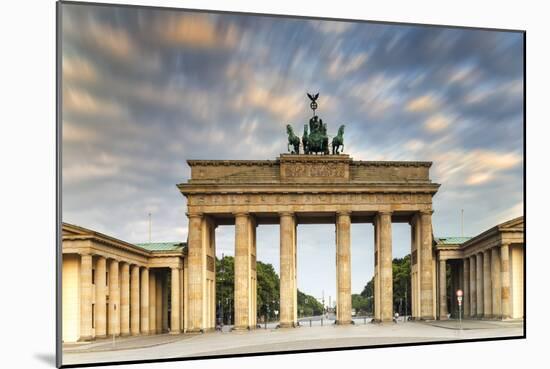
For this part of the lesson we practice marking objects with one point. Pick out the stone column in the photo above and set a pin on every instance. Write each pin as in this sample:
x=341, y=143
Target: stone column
x=288, y=308
x=144, y=301
x=466, y=286
x=134, y=300
x=479, y=284
x=185, y=299
x=442, y=289
x=100, y=298
x=495, y=282
x=114, y=299
x=505, y=281
x=175, y=300
x=242, y=271
x=125, y=300
x=376, y=296
x=426, y=266
x=196, y=270
x=165, y=293
x=85, y=297
x=152, y=302
x=386, y=272
x=343, y=266
x=158, y=301
x=487, y=294
x=473, y=286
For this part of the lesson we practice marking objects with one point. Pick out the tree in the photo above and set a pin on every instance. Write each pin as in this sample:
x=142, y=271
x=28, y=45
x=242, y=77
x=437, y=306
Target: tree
x=308, y=305
x=361, y=304
x=225, y=284
x=401, y=268
x=402, y=284
x=268, y=290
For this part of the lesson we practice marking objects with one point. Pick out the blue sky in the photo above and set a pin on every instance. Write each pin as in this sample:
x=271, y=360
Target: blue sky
x=144, y=90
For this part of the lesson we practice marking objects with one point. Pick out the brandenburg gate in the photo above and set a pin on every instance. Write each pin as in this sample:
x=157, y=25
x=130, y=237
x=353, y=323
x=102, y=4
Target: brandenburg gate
x=314, y=189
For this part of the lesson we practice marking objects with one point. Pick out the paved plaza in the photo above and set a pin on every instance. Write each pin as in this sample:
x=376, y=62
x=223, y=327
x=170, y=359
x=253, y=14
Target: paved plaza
x=273, y=340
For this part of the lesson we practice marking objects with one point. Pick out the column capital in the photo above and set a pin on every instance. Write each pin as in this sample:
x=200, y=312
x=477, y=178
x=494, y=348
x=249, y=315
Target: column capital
x=286, y=214
x=343, y=212
x=504, y=244
x=241, y=214
x=426, y=212
x=194, y=215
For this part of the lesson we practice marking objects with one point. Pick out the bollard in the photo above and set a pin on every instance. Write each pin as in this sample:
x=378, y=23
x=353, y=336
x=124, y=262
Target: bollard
x=310, y=322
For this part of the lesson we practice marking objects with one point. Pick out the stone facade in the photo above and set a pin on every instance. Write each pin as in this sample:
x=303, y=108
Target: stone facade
x=491, y=266
x=295, y=189
x=114, y=288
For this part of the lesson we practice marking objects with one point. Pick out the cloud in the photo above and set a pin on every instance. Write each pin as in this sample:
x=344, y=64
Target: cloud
x=196, y=31
x=473, y=167
x=422, y=103
x=80, y=101
x=73, y=133
x=377, y=94
x=331, y=27
x=283, y=107
x=114, y=41
x=341, y=66
x=437, y=123
x=78, y=69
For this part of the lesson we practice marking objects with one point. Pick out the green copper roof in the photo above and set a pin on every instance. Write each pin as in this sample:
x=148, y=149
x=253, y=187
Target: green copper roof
x=451, y=240
x=161, y=246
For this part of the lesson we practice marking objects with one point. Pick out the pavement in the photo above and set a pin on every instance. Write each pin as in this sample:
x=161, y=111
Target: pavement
x=272, y=339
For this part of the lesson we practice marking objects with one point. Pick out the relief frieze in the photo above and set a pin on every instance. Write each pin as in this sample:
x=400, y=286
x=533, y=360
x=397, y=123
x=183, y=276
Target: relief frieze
x=319, y=198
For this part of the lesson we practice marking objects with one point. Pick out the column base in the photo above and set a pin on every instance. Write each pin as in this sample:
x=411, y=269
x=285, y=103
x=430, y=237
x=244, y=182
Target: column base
x=443, y=317
x=427, y=317
x=488, y=316
x=99, y=336
x=126, y=334
x=287, y=325
x=85, y=338
x=194, y=330
x=241, y=328
x=175, y=332
x=344, y=322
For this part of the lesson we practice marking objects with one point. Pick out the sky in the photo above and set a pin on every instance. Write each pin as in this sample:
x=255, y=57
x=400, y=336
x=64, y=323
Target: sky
x=144, y=90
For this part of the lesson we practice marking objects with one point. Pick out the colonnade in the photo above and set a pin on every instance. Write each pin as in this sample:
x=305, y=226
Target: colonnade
x=118, y=298
x=485, y=283
x=201, y=239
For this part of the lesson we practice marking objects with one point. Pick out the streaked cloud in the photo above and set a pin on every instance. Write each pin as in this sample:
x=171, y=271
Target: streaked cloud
x=422, y=103
x=331, y=27
x=144, y=90
x=437, y=123
x=340, y=66
x=196, y=31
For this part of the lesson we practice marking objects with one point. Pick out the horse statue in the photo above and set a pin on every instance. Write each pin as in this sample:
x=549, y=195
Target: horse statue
x=338, y=141
x=292, y=140
x=305, y=140
x=317, y=139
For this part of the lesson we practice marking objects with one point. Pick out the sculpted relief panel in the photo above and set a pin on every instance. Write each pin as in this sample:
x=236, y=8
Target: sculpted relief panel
x=331, y=170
